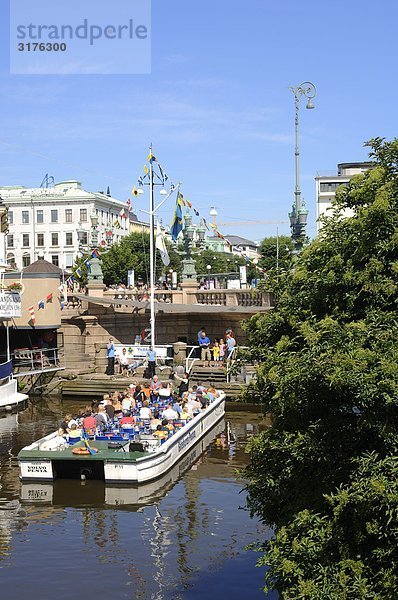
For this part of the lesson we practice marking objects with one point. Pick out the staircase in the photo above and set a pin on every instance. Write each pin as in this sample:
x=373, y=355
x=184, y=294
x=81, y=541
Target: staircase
x=216, y=377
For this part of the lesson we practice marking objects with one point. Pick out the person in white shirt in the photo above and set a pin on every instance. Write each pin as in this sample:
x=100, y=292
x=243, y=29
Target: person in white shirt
x=126, y=405
x=145, y=411
x=169, y=413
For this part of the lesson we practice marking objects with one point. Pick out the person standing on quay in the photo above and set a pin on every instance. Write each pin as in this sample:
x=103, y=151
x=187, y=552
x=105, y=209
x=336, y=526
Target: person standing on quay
x=151, y=357
x=110, y=352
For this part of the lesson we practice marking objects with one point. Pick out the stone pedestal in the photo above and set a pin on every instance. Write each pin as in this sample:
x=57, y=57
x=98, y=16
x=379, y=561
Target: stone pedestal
x=188, y=286
x=96, y=289
x=180, y=352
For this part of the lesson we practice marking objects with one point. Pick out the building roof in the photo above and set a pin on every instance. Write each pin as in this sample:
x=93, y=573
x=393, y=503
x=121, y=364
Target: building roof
x=42, y=266
x=237, y=240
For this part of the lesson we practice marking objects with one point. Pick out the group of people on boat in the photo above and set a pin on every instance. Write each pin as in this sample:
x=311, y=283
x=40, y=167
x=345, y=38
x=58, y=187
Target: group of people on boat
x=154, y=407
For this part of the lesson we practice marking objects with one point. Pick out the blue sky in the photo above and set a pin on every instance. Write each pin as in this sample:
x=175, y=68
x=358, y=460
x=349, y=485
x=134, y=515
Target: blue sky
x=216, y=106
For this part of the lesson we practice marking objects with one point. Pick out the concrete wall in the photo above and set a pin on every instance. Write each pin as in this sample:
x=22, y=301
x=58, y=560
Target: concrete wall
x=82, y=333
x=37, y=287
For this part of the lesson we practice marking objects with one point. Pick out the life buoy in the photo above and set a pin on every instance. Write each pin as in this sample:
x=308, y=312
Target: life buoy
x=83, y=451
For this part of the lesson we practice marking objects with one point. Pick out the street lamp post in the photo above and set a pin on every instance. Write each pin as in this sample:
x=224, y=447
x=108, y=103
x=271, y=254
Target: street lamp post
x=298, y=216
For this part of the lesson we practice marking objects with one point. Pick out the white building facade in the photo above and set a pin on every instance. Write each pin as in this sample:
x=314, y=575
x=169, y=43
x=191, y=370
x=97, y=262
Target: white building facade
x=327, y=184
x=46, y=220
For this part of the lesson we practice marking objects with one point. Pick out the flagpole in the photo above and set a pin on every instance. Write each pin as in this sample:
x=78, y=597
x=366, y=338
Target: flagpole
x=151, y=250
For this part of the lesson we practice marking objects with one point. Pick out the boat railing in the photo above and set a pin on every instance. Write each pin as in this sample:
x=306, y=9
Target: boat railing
x=191, y=359
x=37, y=360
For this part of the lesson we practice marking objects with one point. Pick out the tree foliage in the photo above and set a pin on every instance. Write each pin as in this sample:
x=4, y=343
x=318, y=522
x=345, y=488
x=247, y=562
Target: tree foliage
x=276, y=254
x=133, y=253
x=325, y=473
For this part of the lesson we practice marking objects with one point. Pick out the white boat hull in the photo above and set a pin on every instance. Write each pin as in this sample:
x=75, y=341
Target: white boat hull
x=118, y=467
x=10, y=398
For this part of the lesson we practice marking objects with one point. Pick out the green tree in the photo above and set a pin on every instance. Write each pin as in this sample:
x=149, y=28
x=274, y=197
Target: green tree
x=276, y=254
x=133, y=253
x=221, y=262
x=328, y=372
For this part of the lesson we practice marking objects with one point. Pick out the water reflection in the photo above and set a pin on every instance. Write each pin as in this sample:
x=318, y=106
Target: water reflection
x=180, y=537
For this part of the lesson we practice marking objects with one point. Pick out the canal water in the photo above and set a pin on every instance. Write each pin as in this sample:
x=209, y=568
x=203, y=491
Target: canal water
x=182, y=537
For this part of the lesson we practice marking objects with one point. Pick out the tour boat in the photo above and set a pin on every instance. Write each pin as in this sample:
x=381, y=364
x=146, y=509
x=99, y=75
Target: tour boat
x=134, y=458
x=10, y=398
x=73, y=493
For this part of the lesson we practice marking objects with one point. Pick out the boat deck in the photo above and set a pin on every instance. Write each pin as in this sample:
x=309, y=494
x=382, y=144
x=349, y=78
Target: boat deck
x=104, y=453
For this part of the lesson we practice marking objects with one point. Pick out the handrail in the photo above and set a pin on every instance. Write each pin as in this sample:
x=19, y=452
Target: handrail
x=37, y=360
x=189, y=361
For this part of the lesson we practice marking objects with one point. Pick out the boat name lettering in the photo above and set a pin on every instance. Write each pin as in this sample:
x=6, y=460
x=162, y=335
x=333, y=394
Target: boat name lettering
x=118, y=466
x=37, y=469
x=186, y=440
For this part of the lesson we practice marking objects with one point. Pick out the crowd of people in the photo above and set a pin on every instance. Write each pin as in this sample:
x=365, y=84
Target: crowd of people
x=155, y=407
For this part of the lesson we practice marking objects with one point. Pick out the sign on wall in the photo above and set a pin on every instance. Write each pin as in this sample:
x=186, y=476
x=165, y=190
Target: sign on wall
x=10, y=306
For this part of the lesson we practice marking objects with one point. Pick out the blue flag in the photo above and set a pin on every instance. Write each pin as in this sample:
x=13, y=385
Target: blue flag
x=177, y=224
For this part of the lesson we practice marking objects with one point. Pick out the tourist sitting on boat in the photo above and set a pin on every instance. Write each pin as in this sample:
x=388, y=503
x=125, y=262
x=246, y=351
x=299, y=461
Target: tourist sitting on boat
x=89, y=424
x=161, y=433
x=74, y=432
x=65, y=423
x=164, y=391
x=145, y=411
x=193, y=406
x=155, y=421
x=127, y=422
x=200, y=397
x=110, y=410
x=127, y=404
x=169, y=413
x=184, y=415
x=155, y=385
x=118, y=408
x=176, y=405
x=139, y=396
x=101, y=418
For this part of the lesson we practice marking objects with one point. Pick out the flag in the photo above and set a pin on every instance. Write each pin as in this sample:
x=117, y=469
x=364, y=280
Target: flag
x=134, y=192
x=128, y=204
x=140, y=182
x=177, y=226
x=146, y=170
x=31, y=310
x=117, y=224
x=162, y=174
x=205, y=224
x=40, y=304
x=78, y=273
x=49, y=297
x=161, y=246
x=95, y=253
x=188, y=203
x=122, y=213
x=62, y=304
x=196, y=212
x=151, y=158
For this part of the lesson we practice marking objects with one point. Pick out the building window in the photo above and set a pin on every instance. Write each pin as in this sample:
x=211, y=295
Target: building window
x=10, y=240
x=40, y=239
x=68, y=215
x=25, y=260
x=11, y=260
x=55, y=259
x=25, y=217
x=10, y=217
x=39, y=216
x=84, y=240
x=69, y=239
x=68, y=261
x=54, y=239
x=25, y=240
x=83, y=215
x=54, y=216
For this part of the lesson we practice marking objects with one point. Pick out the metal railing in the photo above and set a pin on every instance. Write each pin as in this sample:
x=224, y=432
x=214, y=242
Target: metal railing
x=190, y=360
x=28, y=362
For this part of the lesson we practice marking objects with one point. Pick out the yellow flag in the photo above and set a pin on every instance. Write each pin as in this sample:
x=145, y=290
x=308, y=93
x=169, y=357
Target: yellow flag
x=146, y=170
